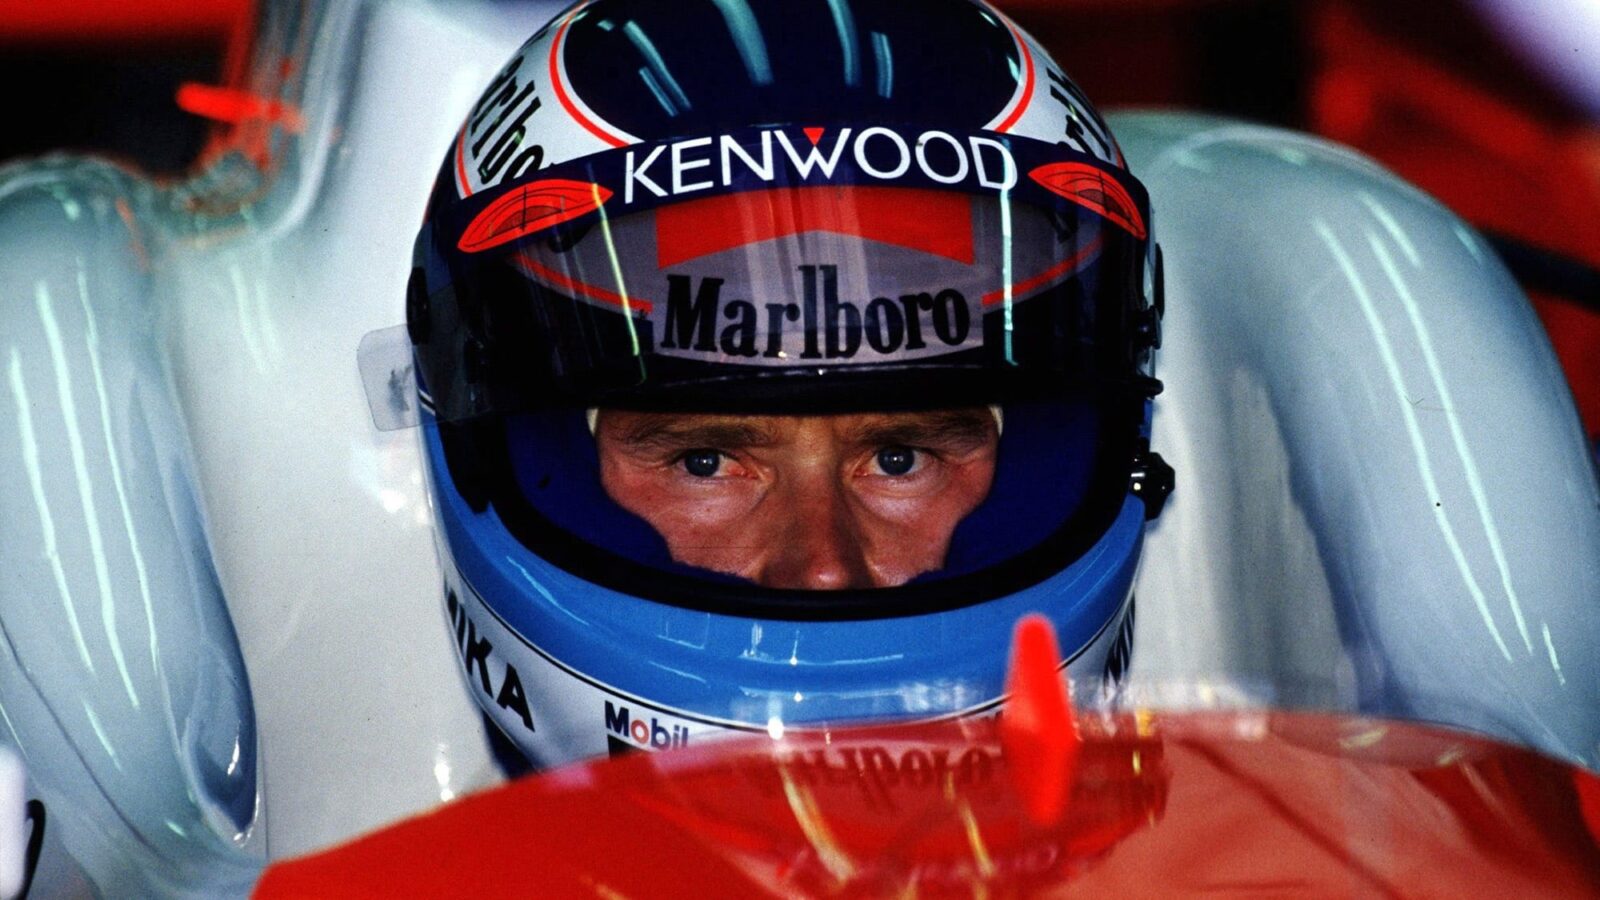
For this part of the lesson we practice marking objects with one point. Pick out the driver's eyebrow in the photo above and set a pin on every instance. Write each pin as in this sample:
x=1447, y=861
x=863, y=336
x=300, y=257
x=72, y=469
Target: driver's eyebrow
x=677, y=432
x=956, y=430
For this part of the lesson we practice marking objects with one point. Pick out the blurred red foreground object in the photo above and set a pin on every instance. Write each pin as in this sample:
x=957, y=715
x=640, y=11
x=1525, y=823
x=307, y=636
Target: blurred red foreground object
x=122, y=22
x=234, y=106
x=1037, y=732
x=1171, y=804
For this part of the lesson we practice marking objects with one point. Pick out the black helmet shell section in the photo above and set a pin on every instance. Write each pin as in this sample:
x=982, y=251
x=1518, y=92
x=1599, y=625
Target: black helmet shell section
x=819, y=62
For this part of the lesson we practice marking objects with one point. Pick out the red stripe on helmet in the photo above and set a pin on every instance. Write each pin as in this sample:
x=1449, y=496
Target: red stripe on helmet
x=1027, y=79
x=934, y=222
x=593, y=127
x=1054, y=273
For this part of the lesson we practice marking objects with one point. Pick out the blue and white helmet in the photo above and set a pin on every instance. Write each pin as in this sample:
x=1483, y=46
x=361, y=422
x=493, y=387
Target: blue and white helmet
x=775, y=207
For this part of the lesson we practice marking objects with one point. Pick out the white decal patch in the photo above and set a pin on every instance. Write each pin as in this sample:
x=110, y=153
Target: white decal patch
x=552, y=712
x=529, y=118
x=1048, y=106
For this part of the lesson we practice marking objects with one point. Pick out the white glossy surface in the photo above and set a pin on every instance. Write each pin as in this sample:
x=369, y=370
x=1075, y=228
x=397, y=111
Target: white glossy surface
x=1384, y=499
x=121, y=682
x=13, y=825
x=1384, y=502
x=320, y=523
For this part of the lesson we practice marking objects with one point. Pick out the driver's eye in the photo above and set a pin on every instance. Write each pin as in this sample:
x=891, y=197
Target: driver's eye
x=896, y=460
x=702, y=463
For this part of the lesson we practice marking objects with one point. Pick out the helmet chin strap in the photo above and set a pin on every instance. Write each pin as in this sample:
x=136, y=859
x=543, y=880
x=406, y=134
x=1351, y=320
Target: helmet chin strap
x=592, y=415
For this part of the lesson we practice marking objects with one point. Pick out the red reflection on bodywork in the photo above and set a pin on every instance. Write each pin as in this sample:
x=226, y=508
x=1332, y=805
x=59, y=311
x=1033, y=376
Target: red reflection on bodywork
x=1167, y=804
x=232, y=106
x=124, y=22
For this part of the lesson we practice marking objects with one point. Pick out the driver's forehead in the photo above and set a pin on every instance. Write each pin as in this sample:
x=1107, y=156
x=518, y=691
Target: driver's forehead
x=963, y=425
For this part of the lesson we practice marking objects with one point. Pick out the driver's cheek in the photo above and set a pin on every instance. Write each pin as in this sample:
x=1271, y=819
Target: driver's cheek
x=907, y=536
x=707, y=528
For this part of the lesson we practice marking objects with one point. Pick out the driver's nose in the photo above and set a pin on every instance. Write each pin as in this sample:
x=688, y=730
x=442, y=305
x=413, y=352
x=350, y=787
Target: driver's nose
x=819, y=543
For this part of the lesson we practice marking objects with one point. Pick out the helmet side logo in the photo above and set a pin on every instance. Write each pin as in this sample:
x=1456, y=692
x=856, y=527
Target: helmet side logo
x=493, y=140
x=1048, y=106
x=528, y=118
x=529, y=209
x=1088, y=187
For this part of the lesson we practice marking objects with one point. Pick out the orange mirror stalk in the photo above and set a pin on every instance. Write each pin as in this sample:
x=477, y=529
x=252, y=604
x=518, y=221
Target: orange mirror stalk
x=1038, y=730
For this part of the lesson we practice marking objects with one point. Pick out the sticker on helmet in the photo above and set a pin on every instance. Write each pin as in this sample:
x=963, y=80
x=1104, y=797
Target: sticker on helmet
x=1048, y=106
x=556, y=714
x=700, y=321
x=979, y=163
x=531, y=208
x=817, y=276
x=627, y=731
x=1089, y=187
x=495, y=144
x=549, y=710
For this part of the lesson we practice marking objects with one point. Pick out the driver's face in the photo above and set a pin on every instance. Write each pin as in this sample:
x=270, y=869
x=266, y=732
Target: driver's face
x=818, y=502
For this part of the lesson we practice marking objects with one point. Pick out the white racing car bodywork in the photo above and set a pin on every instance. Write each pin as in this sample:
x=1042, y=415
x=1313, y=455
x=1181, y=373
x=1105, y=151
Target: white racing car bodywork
x=223, y=630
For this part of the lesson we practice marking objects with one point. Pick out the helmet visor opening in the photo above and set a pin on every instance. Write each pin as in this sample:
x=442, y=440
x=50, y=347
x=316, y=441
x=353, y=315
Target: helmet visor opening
x=1060, y=478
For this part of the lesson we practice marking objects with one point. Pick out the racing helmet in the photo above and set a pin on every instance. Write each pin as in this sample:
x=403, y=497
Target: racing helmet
x=764, y=207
